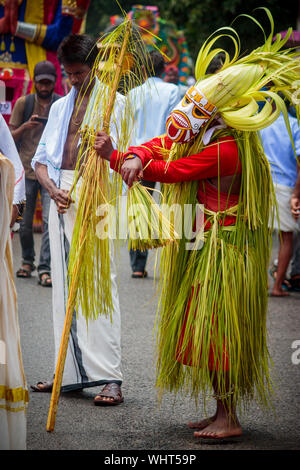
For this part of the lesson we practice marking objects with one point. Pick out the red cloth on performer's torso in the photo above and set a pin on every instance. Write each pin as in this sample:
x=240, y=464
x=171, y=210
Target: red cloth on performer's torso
x=216, y=201
x=219, y=158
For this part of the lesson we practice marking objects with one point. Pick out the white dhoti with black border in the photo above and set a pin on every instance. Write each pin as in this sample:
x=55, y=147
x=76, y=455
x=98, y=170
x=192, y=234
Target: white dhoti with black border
x=94, y=350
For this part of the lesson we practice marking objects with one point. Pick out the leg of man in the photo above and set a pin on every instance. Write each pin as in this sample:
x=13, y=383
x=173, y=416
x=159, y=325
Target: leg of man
x=286, y=226
x=44, y=263
x=138, y=260
x=26, y=231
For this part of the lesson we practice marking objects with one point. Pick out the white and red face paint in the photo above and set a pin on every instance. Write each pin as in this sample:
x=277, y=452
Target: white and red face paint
x=186, y=119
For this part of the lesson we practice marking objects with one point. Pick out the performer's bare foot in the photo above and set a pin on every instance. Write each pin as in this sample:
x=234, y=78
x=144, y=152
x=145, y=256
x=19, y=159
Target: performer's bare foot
x=220, y=428
x=203, y=423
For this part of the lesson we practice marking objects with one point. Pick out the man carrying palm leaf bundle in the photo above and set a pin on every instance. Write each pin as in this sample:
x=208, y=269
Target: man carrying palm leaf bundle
x=94, y=352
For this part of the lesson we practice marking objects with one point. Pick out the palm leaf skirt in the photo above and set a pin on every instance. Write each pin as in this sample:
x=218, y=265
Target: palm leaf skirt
x=214, y=327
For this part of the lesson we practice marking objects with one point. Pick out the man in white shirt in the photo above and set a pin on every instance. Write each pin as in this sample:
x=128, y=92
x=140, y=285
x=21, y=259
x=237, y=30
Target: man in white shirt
x=153, y=102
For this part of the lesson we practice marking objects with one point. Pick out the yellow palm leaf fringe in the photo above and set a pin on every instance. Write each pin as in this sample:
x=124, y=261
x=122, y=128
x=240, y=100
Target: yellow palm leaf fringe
x=210, y=315
x=98, y=188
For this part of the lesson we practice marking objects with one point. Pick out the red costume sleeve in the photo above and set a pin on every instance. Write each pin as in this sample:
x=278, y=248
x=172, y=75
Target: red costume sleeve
x=219, y=158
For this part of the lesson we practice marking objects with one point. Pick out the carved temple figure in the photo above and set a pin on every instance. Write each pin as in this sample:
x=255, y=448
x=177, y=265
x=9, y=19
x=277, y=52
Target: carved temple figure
x=165, y=35
x=31, y=31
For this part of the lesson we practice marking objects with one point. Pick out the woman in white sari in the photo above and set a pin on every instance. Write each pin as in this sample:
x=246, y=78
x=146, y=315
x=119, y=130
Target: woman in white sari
x=13, y=388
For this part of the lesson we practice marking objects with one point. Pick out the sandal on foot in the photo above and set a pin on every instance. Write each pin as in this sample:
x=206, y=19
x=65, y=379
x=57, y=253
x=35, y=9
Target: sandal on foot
x=111, y=390
x=25, y=273
x=139, y=275
x=46, y=387
x=45, y=280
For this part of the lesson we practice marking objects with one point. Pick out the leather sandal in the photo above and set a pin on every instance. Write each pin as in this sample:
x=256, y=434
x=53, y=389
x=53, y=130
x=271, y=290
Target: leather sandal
x=45, y=280
x=139, y=275
x=47, y=387
x=110, y=390
x=25, y=273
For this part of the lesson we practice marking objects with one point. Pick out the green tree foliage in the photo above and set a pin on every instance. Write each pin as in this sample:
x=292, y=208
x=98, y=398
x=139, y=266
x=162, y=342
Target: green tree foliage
x=200, y=18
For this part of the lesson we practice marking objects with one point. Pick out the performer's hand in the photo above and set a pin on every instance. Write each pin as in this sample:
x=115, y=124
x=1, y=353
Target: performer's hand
x=132, y=170
x=295, y=207
x=103, y=145
x=62, y=200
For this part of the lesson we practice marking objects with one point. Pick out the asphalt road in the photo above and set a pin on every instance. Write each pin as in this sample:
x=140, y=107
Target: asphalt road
x=139, y=423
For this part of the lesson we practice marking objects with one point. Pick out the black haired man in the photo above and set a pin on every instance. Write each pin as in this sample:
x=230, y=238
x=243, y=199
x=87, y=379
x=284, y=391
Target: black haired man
x=94, y=353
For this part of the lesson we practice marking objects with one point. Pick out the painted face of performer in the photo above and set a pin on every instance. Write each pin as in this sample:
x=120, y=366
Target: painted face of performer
x=187, y=118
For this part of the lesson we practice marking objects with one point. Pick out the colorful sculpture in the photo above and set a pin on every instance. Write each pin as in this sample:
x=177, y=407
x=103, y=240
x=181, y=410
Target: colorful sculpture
x=31, y=31
x=164, y=35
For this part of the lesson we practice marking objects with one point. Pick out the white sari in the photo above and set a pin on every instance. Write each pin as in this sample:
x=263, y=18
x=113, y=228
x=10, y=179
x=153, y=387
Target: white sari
x=13, y=387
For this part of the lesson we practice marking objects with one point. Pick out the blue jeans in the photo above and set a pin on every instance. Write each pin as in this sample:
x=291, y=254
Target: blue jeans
x=138, y=259
x=26, y=227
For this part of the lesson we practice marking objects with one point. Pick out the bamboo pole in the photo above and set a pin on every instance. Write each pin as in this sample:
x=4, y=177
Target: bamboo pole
x=74, y=284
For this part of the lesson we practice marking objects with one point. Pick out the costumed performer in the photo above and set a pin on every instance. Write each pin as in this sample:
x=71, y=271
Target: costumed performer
x=213, y=304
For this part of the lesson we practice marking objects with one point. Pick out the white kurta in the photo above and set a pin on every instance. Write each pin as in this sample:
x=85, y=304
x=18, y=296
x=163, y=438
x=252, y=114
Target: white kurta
x=152, y=103
x=13, y=388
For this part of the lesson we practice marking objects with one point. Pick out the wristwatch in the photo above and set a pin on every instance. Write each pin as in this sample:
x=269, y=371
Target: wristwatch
x=130, y=156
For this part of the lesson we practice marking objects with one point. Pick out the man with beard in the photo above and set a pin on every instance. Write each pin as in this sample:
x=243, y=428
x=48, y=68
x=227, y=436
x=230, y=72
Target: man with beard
x=27, y=123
